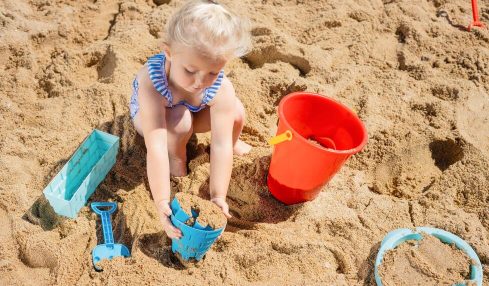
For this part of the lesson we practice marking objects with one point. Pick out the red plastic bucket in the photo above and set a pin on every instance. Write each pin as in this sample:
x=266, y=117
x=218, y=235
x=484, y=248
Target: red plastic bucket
x=300, y=167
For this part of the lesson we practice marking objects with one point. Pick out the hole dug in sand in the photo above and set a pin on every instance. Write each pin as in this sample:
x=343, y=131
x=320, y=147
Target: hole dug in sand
x=406, y=174
x=42, y=213
x=157, y=246
x=40, y=250
x=161, y=2
x=446, y=153
x=107, y=66
x=250, y=201
x=269, y=49
x=270, y=54
x=413, y=170
x=428, y=262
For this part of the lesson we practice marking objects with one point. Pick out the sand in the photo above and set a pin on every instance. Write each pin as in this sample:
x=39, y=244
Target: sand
x=425, y=262
x=406, y=67
x=208, y=213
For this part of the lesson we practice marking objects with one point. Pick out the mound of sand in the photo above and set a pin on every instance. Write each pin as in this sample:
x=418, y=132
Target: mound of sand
x=407, y=68
x=426, y=262
x=208, y=214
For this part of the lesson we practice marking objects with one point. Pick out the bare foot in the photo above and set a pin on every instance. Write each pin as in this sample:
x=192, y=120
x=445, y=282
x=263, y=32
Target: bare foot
x=178, y=167
x=241, y=148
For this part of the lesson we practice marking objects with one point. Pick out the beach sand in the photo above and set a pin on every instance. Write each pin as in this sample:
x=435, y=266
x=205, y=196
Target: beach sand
x=207, y=213
x=414, y=76
x=425, y=262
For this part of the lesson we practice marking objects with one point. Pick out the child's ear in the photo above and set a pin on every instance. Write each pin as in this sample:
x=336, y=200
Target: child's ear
x=166, y=50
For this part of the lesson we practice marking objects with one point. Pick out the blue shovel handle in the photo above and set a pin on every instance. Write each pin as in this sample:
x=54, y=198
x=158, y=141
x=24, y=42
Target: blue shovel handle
x=106, y=223
x=95, y=207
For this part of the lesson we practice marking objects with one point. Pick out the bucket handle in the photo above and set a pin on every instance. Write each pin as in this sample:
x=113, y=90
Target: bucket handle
x=286, y=136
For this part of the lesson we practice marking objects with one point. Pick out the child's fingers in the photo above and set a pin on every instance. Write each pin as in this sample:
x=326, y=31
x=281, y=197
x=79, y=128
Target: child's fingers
x=173, y=232
x=175, y=235
x=226, y=213
x=177, y=231
x=167, y=210
x=225, y=210
x=224, y=207
x=170, y=229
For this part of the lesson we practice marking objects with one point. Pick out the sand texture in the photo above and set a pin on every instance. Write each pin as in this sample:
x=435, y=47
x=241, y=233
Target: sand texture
x=425, y=262
x=408, y=68
x=208, y=213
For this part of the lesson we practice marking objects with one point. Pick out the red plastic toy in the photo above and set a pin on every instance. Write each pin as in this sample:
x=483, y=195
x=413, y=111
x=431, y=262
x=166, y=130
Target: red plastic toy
x=475, y=14
x=316, y=135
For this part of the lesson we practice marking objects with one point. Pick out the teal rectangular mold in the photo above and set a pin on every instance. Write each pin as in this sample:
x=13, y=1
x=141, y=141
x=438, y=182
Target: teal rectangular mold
x=70, y=189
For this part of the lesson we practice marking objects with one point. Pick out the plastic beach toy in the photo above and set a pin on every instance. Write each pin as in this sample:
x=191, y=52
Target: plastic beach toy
x=475, y=17
x=70, y=189
x=196, y=239
x=299, y=166
x=398, y=236
x=109, y=249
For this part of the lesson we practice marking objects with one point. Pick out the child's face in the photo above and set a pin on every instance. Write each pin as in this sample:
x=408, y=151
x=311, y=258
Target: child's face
x=191, y=70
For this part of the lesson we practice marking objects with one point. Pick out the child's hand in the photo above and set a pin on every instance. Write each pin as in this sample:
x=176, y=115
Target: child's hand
x=221, y=202
x=170, y=230
x=164, y=212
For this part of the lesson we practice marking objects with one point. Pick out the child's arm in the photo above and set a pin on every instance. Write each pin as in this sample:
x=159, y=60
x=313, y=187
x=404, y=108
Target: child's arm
x=153, y=123
x=222, y=121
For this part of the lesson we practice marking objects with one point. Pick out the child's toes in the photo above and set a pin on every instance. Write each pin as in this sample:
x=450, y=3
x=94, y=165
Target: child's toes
x=241, y=148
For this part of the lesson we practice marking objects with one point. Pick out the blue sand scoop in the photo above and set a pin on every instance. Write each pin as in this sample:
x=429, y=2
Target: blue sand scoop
x=109, y=249
x=196, y=239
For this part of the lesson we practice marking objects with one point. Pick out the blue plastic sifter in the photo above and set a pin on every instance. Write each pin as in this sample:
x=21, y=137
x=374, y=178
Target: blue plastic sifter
x=71, y=188
x=196, y=239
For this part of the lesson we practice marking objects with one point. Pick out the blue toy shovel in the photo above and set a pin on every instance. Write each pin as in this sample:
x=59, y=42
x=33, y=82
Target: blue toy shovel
x=109, y=249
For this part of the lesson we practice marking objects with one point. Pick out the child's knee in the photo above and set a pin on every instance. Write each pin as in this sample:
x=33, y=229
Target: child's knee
x=137, y=125
x=240, y=112
x=182, y=125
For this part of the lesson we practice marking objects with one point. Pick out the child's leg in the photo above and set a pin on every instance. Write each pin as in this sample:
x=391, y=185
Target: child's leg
x=239, y=147
x=202, y=124
x=179, y=130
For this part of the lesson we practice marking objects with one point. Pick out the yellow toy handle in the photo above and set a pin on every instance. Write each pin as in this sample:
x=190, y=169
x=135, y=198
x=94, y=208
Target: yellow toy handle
x=286, y=136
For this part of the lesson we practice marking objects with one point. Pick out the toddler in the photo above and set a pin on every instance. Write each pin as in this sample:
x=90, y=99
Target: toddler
x=183, y=90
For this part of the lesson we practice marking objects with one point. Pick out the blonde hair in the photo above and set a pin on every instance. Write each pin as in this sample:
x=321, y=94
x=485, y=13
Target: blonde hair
x=209, y=27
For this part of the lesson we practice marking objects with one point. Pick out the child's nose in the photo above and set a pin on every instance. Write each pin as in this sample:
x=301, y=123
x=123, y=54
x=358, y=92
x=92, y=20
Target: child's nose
x=198, y=81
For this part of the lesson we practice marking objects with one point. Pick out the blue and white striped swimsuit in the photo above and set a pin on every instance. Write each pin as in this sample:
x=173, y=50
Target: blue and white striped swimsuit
x=157, y=74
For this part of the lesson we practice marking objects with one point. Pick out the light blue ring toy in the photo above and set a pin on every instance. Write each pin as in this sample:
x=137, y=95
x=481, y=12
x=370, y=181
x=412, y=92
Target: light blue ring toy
x=398, y=236
x=196, y=239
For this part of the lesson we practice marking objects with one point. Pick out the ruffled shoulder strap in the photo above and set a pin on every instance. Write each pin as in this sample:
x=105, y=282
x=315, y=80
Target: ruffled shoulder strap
x=157, y=74
x=211, y=91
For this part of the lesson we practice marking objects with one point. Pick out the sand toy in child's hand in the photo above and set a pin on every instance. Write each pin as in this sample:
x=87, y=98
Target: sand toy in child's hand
x=109, y=249
x=201, y=223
